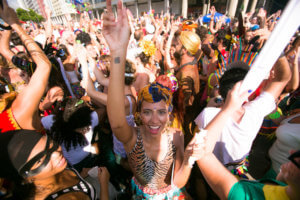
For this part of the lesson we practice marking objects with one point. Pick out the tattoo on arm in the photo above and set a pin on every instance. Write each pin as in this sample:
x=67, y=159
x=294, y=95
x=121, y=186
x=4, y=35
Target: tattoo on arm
x=117, y=60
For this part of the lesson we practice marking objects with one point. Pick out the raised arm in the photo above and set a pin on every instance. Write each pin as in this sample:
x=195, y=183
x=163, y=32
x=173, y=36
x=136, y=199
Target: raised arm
x=169, y=64
x=217, y=176
x=49, y=27
x=293, y=55
x=4, y=42
x=97, y=97
x=100, y=76
x=26, y=104
x=212, y=21
x=282, y=75
x=117, y=33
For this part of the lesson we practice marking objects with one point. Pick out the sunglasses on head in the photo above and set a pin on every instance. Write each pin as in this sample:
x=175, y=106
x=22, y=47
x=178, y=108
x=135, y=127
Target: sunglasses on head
x=293, y=157
x=25, y=170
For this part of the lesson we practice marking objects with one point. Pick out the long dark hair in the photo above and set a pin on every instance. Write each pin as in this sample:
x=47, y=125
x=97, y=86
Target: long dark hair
x=56, y=78
x=72, y=114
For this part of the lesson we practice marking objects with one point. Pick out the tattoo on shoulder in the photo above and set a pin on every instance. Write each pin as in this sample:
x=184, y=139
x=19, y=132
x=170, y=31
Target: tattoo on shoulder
x=117, y=60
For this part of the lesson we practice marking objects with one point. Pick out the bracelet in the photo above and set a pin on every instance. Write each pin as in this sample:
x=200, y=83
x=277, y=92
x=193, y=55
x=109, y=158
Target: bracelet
x=5, y=27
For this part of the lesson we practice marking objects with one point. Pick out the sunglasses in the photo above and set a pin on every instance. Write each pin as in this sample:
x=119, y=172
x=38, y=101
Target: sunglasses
x=293, y=157
x=25, y=170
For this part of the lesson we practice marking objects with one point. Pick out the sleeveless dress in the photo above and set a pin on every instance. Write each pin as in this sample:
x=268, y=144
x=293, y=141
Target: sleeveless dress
x=152, y=179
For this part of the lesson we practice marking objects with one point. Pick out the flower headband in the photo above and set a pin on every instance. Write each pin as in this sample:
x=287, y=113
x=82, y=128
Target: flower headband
x=148, y=47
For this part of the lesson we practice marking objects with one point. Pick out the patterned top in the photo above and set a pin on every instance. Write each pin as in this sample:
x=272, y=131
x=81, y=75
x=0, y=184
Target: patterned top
x=149, y=173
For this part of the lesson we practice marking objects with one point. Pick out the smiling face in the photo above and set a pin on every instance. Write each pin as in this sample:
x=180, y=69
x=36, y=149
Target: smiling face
x=56, y=164
x=154, y=116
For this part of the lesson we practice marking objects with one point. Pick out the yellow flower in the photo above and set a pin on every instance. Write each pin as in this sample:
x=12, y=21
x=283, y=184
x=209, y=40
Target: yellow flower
x=148, y=47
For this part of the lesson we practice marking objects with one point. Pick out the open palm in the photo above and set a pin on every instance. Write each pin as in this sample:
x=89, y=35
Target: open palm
x=116, y=31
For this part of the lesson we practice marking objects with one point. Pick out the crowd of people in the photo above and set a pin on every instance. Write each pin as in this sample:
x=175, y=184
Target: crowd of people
x=145, y=108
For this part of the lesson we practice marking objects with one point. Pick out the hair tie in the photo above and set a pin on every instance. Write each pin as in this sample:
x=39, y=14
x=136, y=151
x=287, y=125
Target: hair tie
x=128, y=75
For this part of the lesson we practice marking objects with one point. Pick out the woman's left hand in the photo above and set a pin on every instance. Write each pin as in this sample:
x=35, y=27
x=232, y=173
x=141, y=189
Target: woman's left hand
x=196, y=148
x=116, y=31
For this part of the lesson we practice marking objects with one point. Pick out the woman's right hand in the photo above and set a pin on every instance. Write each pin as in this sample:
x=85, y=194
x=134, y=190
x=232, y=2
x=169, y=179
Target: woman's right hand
x=235, y=98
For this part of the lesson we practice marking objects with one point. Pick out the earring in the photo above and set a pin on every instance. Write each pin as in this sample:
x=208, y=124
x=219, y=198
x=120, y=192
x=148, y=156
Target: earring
x=138, y=119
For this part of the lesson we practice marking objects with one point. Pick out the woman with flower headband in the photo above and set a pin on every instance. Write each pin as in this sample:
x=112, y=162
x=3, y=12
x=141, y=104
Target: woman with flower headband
x=156, y=153
x=147, y=60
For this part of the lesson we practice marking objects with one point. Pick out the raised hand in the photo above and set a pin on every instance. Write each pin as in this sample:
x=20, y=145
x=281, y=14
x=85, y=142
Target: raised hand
x=48, y=12
x=236, y=97
x=103, y=175
x=262, y=13
x=8, y=14
x=195, y=149
x=264, y=34
x=116, y=31
x=175, y=27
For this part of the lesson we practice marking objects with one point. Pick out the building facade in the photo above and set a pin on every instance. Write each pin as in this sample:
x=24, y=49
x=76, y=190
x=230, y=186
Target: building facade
x=185, y=8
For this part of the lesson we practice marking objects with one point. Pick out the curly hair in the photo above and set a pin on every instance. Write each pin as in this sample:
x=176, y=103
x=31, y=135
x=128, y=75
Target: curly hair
x=73, y=114
x=129, y=72
x=84, y=38
x=144, y=58
x=221, y=35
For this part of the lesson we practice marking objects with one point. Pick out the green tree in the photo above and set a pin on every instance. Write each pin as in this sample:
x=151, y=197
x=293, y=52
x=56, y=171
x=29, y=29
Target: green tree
x=30, y=15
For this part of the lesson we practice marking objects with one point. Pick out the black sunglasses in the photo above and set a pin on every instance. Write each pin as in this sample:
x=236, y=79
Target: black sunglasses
x=293, y=156
x=25, y=170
